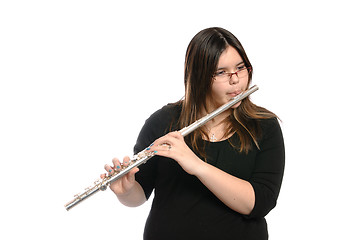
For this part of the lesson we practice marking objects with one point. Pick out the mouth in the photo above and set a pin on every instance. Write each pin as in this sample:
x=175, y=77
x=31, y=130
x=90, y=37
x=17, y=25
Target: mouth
x=234, y=93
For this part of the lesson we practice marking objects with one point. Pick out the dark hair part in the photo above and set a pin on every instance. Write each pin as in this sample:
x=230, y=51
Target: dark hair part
x=201, y=63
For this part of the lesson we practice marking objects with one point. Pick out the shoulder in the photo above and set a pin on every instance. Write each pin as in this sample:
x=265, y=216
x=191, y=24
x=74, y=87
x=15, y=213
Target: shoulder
x=167, y=113
x=164, y=118
x=169, y=110
x=269, y=124
x=271, y=130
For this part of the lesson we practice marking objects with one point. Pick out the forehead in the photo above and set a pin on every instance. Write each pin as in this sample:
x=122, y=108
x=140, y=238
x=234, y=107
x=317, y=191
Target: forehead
x=229, y=58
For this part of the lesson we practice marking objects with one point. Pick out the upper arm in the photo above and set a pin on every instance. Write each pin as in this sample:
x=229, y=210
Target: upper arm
x=269, y=168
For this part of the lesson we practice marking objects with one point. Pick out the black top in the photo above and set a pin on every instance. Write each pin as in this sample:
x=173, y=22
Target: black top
x=183, y=208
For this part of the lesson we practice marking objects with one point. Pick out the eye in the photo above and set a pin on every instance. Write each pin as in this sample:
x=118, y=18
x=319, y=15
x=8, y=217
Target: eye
x=239, y=68
x=220, y=73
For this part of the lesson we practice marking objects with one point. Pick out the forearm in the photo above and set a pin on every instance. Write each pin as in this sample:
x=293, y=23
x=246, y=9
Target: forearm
x=236, y=193
x=133, y=198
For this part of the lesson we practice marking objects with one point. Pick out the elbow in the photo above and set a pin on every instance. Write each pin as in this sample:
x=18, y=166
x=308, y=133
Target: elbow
x=246, y=211
x=251, y=200
x=248, y=208
x=260, y=210
x=264, y=201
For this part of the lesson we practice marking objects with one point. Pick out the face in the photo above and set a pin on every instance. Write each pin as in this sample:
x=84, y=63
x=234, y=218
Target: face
x=228, y=84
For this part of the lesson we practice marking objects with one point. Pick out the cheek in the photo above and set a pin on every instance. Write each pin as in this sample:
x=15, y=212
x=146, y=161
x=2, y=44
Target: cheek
x=244, y=83
x=217, y=91
x=219, y=96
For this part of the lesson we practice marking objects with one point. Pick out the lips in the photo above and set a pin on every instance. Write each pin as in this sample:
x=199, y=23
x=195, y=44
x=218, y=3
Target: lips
x=234, y=93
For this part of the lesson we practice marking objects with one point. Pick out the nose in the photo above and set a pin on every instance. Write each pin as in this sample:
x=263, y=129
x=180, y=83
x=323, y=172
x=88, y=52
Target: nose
x=233, y=79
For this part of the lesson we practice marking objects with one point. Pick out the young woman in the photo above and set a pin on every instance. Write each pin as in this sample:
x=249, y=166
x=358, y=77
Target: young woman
x=220, y=181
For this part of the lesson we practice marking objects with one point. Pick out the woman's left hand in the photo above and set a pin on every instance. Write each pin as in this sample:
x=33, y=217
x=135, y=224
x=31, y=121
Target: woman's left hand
x=173, y=146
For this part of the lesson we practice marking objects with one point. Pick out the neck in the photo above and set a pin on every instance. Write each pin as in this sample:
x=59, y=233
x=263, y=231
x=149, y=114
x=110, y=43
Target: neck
x=218, y=120
x=217, y=127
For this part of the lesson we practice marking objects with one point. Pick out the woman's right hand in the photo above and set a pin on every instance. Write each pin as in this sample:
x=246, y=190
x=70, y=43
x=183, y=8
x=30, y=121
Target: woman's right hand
x=123, y=185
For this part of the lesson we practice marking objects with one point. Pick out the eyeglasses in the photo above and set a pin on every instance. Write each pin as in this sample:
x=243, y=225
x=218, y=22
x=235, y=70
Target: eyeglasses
x=223, y=76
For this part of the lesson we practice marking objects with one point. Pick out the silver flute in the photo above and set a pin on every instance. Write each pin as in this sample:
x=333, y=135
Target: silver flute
x=144, y=155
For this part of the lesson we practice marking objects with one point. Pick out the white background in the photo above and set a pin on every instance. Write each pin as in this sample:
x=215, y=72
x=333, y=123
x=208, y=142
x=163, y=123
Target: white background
x=79, y=78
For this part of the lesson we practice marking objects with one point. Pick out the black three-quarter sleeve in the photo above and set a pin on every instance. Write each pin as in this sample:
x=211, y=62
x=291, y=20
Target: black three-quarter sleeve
x=268, y=172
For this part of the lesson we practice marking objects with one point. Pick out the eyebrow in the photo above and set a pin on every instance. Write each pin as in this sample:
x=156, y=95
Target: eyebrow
x=236, y=66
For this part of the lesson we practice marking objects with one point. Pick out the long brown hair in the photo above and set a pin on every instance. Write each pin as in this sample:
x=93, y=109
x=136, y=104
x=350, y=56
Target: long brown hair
x=201, y=63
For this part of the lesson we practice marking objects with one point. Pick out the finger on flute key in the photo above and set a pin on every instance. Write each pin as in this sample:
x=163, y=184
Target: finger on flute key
x=109, y=169
x=116, y=164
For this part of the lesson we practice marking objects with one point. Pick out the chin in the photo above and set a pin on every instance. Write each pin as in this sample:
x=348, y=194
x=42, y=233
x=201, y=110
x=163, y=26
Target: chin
x=237, y=105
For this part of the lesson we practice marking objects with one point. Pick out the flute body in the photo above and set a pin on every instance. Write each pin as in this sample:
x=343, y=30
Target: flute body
x=143, y=156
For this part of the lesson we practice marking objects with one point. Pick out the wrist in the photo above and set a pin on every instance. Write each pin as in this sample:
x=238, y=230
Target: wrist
x=201, y=169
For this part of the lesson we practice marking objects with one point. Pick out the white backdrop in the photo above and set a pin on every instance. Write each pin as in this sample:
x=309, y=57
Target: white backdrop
x=79, y=78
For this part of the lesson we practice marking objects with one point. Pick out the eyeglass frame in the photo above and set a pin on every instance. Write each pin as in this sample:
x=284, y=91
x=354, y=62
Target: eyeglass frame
x=229, y=75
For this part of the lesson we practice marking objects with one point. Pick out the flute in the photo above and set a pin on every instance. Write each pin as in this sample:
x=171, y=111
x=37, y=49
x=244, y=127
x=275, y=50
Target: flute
x=143, y=156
